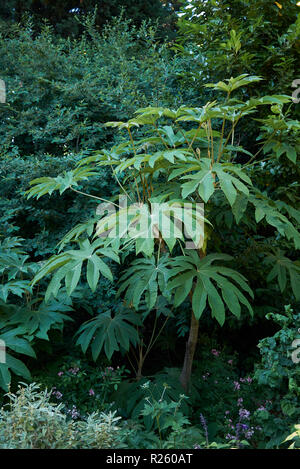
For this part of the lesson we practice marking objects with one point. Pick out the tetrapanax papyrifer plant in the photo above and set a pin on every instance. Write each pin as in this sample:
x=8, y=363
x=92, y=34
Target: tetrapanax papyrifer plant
x=171, y=161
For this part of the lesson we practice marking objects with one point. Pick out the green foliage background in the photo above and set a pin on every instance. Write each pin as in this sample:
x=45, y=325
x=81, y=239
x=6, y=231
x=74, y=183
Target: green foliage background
x=67, y=74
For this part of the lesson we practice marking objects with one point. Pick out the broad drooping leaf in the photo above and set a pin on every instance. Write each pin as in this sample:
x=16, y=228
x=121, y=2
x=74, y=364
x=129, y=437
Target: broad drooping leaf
x=208, y=177
x=144, y=278
x=47, y=185
x=14, y=268
x=15, y=287
x=40, y=318
x=109, y=331
x=281, y=266
x=142, y=223
x=207, y=282
x=13, y=340
x=68, y=267
x=266, y=209
x=234, y=83
x=14, y=264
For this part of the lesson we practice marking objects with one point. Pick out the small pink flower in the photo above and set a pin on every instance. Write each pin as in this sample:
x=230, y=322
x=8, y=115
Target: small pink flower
x=230, y=362
x=215, y=352
x=60, y=373
x=91, y=392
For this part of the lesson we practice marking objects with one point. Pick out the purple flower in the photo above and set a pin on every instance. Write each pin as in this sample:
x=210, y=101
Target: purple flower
x=91, y=392
x=239, y=401
x=215, y=352
x=230, y=362
x=244, y=414
x=60, y=373
x=204, y=425
x=249, y=434
x=237, y=385
x=261, y=408
x=74, y=412
x=57, y=394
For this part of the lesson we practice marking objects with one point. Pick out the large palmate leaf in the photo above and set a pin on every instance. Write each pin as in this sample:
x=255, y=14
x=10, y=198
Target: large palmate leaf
x=15, y=287
x=11, y=244
x=266, y=209
x=205, y=281
x=143, y=279
x=234, y=83
x=292, y=212
x=282, y=267
x=14, y=264
x=68, y=267
x=208, y=177
x=14, y=268
x=109, y=331
x=76, y=233
x=47, y=185
x=14, y=341
x=142, y=223
x=15, y=366
x=138, y=161
x=39, y=319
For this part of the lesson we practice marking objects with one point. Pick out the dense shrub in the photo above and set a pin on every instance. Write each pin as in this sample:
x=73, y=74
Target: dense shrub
x=61, y=91
x=278, y=374
x=33, y=422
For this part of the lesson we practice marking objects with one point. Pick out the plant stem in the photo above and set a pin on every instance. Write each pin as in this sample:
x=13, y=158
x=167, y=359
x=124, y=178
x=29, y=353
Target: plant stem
x=94, y=197
x=191, y=344
x=186, y=372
